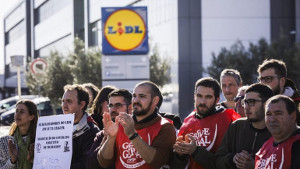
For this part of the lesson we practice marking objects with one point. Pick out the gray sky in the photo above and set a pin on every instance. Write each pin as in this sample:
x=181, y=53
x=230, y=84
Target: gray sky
x=5, y=6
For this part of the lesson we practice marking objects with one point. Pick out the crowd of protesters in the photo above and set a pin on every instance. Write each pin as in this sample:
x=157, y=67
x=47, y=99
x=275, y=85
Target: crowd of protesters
x=256, y=126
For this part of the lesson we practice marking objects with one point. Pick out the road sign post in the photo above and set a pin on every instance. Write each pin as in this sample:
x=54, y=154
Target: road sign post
x=17, y=61
x=38, y=67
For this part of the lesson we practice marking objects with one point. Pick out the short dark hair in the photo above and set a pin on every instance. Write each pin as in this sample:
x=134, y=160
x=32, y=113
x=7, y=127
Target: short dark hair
x=289, y=103
x=161, y=98
x=122, y=92
x=278, y=65
x=153, y=87
x=233, y=73
x=82, y=93
x=155, y=91
x=264, y=91
x=211, y=83
x=101, y=97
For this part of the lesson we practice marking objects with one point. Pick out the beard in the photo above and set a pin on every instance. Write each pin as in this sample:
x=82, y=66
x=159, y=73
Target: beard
x=207, y=111
x=253, y=120
x=259, y=117
x=143, y=111
x=276, y=90
x=113, y=115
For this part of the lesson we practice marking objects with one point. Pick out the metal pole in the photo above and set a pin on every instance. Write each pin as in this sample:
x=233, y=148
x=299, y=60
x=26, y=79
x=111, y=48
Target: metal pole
x=19, y=82
x=17, y=61
x=86, y=25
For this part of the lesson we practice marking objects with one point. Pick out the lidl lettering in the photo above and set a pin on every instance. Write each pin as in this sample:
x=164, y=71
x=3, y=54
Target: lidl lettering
x=128, y=30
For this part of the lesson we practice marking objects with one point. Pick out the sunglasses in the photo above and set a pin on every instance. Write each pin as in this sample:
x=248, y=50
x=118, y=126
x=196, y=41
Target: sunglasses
x=238, y=98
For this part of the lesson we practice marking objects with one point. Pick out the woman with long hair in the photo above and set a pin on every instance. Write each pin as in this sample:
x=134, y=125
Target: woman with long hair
x=16, y=149
x=93, y=92
x=100, y=105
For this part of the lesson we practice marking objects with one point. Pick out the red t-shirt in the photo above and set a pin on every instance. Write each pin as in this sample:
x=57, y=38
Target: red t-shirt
x=209, y=131
x=127, y=155
x=278, y=157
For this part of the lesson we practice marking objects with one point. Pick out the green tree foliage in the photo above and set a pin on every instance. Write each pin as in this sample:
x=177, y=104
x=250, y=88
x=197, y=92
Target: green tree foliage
x=34, y=82
x=78, y=67
x=58, y=75
x=247, y=61
x=85, y=66
x=159, y=69
x=82, y=67
x=51, y=83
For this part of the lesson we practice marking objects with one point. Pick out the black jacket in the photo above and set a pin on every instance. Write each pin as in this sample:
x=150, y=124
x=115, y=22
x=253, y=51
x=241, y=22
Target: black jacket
x=81, y=146
x=241, y=135
x=176, y=119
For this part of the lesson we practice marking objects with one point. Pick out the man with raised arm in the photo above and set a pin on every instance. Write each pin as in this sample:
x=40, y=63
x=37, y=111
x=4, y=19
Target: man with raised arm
x=143, y=140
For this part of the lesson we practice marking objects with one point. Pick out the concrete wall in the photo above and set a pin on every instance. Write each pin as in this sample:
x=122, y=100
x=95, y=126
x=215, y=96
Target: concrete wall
x=297, y=20
x=15, y=20
x=55, y=27
x=225, y=22
x=190, y=49
x=283, y=19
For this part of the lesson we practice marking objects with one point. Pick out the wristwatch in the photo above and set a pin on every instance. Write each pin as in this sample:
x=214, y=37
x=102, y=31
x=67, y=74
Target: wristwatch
x=133, y=136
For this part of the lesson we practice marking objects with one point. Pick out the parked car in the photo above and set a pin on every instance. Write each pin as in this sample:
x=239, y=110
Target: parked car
x=43, y=105
x=6, y=104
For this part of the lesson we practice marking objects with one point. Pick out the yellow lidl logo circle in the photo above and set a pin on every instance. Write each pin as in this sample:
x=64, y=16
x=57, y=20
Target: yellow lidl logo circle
x=125, y=29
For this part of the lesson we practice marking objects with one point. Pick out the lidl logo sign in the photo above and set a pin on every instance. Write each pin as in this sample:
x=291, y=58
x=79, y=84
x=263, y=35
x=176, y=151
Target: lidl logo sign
x=124, y=31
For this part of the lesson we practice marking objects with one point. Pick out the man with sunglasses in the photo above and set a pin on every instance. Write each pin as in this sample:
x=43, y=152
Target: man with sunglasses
x=246, y=135
x=119, y=100
x=239, y=108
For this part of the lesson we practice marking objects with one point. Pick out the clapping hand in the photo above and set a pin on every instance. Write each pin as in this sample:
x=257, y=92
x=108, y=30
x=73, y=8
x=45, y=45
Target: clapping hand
x=110, y=127
x=187, y=146
x=30, y=153
x=127, y=123
x=243, y=160
x=13, y=152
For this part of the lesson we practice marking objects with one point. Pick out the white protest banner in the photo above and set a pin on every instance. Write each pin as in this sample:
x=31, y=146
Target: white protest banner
x=53, y=142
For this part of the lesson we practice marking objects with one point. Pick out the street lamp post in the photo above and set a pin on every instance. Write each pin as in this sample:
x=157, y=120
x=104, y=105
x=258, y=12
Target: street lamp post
x=17, y=61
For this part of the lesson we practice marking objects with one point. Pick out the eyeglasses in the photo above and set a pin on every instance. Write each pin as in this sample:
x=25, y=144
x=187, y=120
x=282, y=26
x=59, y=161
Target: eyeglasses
x=267, y=79
x=116, y=106
x=250, y=102
x=238, y=98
